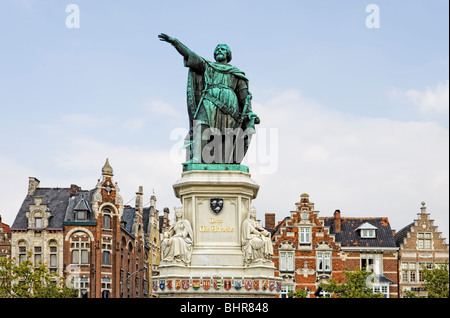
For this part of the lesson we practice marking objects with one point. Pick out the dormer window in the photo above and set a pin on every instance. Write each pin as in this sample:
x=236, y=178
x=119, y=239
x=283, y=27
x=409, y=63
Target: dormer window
x=81, y=215
x=368, y=233
x=38, y=221
x=81, y=211
x=367, y=230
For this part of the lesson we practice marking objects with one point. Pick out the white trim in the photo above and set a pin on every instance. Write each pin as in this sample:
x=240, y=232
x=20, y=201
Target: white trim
x=357, y=248
x=79, y=229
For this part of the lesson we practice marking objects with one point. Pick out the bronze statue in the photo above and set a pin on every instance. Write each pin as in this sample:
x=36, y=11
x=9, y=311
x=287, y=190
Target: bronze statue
x=221, y=120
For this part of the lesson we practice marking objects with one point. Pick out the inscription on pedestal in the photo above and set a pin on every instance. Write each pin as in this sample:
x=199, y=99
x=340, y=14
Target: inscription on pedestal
x=212, y=227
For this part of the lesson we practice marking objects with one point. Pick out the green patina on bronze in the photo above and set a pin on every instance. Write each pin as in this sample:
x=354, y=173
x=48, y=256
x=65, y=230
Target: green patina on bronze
x=218, y=100
x=189, y=166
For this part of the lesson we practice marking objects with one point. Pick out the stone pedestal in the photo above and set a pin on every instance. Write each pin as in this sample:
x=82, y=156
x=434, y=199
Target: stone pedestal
x=217, y=267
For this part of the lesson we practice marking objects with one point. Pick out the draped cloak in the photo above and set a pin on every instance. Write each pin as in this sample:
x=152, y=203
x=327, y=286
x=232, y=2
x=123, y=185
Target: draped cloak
x=218, y=97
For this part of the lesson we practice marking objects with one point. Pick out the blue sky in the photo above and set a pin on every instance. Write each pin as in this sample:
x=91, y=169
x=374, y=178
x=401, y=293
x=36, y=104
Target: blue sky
x=356, y=117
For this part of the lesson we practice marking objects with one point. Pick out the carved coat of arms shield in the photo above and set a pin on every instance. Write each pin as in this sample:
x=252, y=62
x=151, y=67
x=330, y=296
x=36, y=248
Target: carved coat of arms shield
x=216, y=205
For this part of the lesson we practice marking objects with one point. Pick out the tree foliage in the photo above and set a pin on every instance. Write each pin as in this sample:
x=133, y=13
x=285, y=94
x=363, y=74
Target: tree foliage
x=26, y=280
x=355, y=285
x=299, y=293
x=435, y=282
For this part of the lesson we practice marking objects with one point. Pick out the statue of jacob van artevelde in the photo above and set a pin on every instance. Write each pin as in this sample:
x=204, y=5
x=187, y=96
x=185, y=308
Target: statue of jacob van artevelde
x=221, y=120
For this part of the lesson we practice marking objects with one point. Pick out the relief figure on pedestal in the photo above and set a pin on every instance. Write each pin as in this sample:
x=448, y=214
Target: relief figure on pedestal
x=256, y=242
x=177, y=243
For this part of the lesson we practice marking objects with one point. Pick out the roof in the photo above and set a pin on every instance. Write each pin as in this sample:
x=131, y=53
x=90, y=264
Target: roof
x=349, y=235
x=56, y=200
x=367, y=226
x=400, y=235
x=80, y=202
x=128, y=218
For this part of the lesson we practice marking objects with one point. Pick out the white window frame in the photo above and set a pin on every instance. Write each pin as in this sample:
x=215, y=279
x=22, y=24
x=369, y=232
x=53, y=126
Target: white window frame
x=285, y=290
x=305, y=235
x=287, y=261
x=424, y=241
x=382, y=288
x=368, y=233
x=323, y=261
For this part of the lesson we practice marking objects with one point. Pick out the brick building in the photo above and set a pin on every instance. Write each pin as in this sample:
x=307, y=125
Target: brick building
x=367, y=243
x=420, y=245
x=5, y=239
x=309, y=249
x=108, y=248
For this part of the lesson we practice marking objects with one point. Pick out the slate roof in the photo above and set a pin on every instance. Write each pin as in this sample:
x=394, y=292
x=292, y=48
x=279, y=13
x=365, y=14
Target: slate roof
x=56, y=200
x=63, y=207
x=400, y=235
x=349, y=236
x=80, y=202
x=128, y=218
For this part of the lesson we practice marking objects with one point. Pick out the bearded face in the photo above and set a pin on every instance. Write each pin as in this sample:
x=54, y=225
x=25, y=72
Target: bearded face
x=222, y=53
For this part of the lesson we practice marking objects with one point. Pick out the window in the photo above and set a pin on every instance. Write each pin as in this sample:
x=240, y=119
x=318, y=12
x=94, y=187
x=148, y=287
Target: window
x=323, y=262
x=285, y=290
x=412, y=272
x=106, y=219
x=384, y=289
x=37, y=255
x=287, y=261
x=372, y=262
x=106, y=253
x=368, y=233
x=38, y=222
x=53, y=258
x=106, y=258
x=305, y=235
x=79, y=248
x=424, y=241
x=82, y=284
x=106, y=282
x=22, y=253
x=81, y=215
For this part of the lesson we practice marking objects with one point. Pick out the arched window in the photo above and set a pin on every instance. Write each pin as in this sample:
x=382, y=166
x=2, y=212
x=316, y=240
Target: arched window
x=53, y=252
x=106, y=219
x=79, y=248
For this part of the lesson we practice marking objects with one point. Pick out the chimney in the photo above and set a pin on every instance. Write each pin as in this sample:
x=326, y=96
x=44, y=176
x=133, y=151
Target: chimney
x=166, y=218
x=139, y=194
x=74, y=189
x=33, y=184
x=337, y=220
x=153, y=201
x=270, y=220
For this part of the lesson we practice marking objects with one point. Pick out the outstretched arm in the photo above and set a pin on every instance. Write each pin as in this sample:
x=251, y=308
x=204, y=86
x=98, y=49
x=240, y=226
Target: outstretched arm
x=180, y=47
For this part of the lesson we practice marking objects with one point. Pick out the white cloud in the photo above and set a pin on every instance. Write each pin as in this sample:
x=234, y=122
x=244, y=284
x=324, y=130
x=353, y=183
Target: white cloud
x=363, y=166
x=431, y=99
x=13, y=188
x=161, y=108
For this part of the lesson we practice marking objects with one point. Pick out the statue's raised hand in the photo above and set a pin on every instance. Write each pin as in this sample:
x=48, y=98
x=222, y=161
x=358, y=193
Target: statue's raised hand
x=164, y=37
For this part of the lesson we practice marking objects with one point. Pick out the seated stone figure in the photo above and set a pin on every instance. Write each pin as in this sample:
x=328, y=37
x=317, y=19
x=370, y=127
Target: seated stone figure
x=177, y=243
x=256, y=242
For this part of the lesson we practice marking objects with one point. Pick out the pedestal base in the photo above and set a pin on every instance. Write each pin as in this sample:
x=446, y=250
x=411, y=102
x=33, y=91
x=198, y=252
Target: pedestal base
x=217, y=267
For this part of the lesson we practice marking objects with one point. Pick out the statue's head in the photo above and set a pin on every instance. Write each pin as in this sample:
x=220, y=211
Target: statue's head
x=252, y=213
x=222, y=51
x=179, y=213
